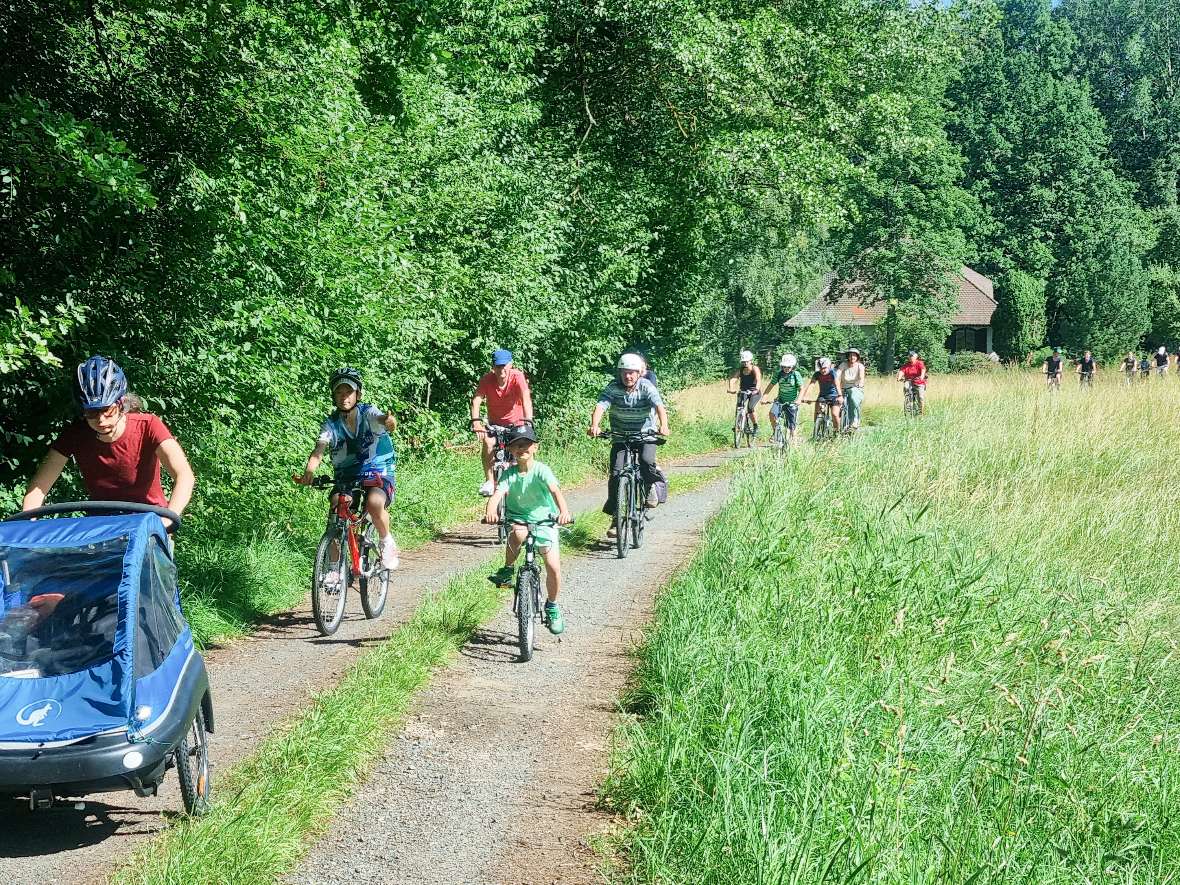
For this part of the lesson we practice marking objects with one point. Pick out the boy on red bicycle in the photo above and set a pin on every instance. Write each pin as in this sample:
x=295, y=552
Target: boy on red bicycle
x=356, y=436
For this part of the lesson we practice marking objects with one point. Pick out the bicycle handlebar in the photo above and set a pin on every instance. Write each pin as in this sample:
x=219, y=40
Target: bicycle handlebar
x=653, y=438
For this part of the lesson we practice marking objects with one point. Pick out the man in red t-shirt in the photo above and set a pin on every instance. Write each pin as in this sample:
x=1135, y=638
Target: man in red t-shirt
x=118, y=452
x=913, y=370
x=506, y=391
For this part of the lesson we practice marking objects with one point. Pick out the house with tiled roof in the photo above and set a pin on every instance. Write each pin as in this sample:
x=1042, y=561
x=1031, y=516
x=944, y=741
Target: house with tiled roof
x=971, y=325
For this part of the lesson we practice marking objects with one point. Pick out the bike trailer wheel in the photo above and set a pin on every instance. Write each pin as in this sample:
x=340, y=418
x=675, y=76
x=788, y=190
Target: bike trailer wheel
x=374, y=587
x=329, y=582
x=192, y=767
x=528, y=584
x=622, y=515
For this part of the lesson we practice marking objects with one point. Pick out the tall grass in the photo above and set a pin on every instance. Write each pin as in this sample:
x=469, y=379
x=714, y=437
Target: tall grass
x=946, y=652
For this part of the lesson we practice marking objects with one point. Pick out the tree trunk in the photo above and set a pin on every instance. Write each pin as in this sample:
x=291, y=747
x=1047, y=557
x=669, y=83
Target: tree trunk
x=890, y=341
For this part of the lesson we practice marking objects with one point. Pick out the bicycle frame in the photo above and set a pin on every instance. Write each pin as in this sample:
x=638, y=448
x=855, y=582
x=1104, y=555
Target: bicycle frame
x=351, y=521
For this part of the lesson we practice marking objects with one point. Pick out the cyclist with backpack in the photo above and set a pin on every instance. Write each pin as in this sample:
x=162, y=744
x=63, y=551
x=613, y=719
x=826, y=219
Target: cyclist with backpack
x=531, y=494
x=356, y=437
x=634, y=406
x=117, y=448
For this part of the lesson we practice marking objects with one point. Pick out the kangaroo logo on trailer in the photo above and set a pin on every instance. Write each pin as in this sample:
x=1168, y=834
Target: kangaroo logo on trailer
x=35, y=714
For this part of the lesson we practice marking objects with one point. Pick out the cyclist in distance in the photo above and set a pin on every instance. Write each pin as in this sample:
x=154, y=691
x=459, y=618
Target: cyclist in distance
x=117, y=448
x=1161, y=362
x=829, y=389
x=748, y=377
x=1087, y=369
x=1052, y=368
x=634, y=406
x=531, y=493
x=356, y=437
x=789, y=381
x=1129, y=364
x=913, y=370
x=1144, y=368
x=510, y=402
x=852, y=385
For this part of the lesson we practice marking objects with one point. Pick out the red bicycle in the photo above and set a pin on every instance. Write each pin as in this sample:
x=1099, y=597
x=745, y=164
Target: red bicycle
x=349, y=528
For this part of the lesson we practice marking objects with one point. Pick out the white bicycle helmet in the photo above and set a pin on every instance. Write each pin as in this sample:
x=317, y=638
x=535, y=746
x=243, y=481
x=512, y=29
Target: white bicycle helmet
x=788, y=361
x=746, y=357
x=824, y=363
x=632, y=362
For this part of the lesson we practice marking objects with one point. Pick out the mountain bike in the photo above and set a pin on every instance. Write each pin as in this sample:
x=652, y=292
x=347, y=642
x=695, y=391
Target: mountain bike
x=1086, y=379
x=744, y=426
x=912, y=404
x=824, y=428
x=1054, y=381
x=630, y=496
x=527, y=604
x=778, y=437
x=348, y=548
x=501, y=461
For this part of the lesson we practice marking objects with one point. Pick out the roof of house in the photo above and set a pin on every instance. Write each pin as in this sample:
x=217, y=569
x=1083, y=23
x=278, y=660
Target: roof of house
x=977, y=303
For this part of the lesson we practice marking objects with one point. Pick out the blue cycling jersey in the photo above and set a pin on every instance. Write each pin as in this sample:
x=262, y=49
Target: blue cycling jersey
x=366, y=451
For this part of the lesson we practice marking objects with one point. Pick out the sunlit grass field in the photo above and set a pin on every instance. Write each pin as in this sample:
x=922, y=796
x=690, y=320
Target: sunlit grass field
x=943, y=652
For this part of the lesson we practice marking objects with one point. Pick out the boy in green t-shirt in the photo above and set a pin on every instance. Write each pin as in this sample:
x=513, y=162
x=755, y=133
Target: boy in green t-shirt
x=790, y=381
x=530, y=493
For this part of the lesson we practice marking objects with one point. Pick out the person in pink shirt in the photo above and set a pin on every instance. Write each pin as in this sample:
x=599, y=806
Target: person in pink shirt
x=505, y=389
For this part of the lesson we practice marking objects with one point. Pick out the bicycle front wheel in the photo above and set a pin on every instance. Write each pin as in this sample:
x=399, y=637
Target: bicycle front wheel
x=528, y=589
x=638, y=502
x=374, y=579
x=622, y=515
x=501, y=525
x=739, y=428
x=329, y=581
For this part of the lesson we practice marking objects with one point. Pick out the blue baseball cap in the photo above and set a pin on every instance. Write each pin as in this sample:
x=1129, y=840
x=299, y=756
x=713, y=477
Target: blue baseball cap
x=501, y=357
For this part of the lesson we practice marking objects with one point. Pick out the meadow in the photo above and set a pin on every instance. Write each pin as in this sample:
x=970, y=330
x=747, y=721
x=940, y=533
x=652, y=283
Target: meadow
x=942, y=652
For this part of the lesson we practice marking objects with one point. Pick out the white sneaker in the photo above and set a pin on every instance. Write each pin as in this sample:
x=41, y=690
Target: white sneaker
x=488, y=489
x=653, y=497
x=389, y=557
x=333, y=580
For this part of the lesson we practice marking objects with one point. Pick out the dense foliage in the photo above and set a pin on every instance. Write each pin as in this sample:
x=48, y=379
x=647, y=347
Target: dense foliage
x=232, y=198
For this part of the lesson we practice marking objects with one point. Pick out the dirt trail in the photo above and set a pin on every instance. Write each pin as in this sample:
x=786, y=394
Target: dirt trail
x=493, y=779
x=257, y=682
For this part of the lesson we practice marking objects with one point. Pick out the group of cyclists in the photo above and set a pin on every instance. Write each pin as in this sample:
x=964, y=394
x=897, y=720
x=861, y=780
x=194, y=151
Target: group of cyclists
x=119, y=451
x=840, y=387
x=1134, y=365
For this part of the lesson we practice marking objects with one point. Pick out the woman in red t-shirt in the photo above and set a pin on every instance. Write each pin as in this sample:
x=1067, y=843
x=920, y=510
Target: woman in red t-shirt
x=118, y=452
x=913, y=370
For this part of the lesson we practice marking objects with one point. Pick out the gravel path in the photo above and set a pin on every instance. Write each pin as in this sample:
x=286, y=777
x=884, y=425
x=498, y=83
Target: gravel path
x=258, y=682
x=493, y=778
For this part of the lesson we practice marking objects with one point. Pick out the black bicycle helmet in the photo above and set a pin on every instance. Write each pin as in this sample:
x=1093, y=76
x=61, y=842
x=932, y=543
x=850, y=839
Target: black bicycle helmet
x=99, y=383
x=346, y=375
